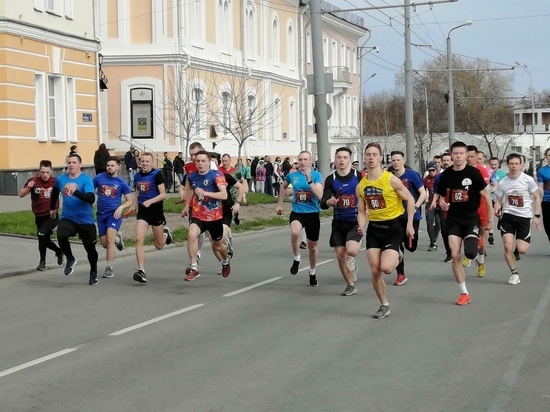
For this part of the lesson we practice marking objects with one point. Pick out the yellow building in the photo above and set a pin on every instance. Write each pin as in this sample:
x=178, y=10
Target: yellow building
x=48, y=85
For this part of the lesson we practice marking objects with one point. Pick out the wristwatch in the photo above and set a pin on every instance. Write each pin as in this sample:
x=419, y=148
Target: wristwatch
x=416, y=207
x=537, y=216
x=309, y=182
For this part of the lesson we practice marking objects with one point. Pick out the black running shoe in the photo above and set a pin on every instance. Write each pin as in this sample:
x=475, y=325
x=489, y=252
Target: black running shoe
x=42, y=266
x=69, y=267
x=119, y=242
x=168, y=235
x=313, y=281
x=93, y=278
x=491, y=239
x=447, y=259
x=303, y=245
x=59, y=256
x=139, y=276
x=295, y=267
x=236, y=219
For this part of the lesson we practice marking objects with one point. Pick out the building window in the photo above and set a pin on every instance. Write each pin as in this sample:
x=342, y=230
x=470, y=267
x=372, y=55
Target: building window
x=225, y=34
x=226, y=112
x=56, y=120
x=250, y=31
x=141, y=103
x=292, y=121
x=275, y=41
x=334, y=53
x=71, y=109
x=196, y=14
x=54, y=7
x=308, y=48
x=325, y=51
x=40, y=108
x=516, y=149
x=198, y=101
x=290, y=49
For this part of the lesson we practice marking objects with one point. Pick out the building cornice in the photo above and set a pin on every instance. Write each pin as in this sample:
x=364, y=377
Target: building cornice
x=47, y=35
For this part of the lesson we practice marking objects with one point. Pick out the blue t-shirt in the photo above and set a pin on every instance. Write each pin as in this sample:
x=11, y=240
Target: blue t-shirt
x=109, y=191
x=147, y=185
x=303, y=199
x=413, y=182
x=75, y=209
x=544, y=178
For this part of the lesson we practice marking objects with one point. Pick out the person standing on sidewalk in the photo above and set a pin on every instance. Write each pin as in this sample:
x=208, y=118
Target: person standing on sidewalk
x=518, y=202
x=77, y=217
x=381, y=196
x=340, y=193
x=130, y=162
x=307, y=186
x=40, y=187
x=151, y=194
x=110, y=188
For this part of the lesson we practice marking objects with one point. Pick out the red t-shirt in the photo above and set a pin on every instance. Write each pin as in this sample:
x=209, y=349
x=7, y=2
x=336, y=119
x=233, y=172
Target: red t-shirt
x=41, y=194
x=482, y=205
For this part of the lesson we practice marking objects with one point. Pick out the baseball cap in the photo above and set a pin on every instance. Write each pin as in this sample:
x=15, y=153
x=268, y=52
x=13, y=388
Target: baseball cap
x=356, y=162
x=431, y=165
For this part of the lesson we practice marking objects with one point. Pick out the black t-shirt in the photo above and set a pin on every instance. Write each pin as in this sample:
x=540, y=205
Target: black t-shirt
x=464, y=186
x=228, y=203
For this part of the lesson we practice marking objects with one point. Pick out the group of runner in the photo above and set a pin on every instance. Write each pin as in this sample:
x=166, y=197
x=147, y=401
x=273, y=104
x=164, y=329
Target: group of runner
x=383, y=206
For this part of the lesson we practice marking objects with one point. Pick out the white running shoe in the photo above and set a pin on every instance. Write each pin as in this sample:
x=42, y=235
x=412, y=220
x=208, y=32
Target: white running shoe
x=514, y=279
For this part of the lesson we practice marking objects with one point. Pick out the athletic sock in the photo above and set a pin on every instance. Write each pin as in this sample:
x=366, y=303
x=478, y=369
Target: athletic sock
x=311, y=271
x=110, y=264
x=514, y=271
x=462, y=287
x=480, y=257
x=297, y=258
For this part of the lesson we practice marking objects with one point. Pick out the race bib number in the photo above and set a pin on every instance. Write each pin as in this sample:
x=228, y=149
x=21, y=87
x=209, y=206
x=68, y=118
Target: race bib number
x=516, y=201
x=459, y=196
x=346, y=202
x=547, y=186
x=375, y=202
x=303, y=196
x=143, y=187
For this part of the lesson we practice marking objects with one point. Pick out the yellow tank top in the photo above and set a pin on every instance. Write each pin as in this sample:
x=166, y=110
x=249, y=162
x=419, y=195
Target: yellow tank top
x=382, y=200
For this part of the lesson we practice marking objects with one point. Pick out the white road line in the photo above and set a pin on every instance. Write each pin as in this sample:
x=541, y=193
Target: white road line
x=36, y=362
x=265, y=282
x=318, y=264
x=149, y=322
x=505, y=390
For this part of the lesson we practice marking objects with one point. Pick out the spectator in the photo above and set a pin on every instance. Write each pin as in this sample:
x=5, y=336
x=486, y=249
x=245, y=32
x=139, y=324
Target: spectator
x=178, y=167
x=101, y=157
x=260, y=177
x=131, y=166
x=286, y=166
x=268, y=176
x=167, y=168
x=253, y=167
x=138, y=160
x=247, y=172
x=277, y=176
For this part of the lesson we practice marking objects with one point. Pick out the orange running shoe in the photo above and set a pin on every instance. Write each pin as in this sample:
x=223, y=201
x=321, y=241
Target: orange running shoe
x=463, y=299
x=401, y=280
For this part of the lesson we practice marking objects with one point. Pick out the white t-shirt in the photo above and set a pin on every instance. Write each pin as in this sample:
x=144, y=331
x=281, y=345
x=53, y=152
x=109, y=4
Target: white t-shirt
x=516, y=195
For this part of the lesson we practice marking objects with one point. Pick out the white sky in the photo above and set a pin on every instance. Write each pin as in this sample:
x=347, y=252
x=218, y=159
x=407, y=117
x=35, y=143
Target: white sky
x=503, y=31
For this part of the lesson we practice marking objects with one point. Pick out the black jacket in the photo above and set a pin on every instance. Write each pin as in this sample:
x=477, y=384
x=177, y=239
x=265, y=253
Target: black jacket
x=130, y=161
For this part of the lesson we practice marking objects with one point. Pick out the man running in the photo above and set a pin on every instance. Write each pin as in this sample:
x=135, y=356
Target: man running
x=544, y=186
x=110, y=188
x=496, y=175
x=40, y=187
x=208, y=189
x=77, y=217
x=413, y=182
x=446, y=162
x=517, y=196
x=151, y=193
x=433, y=221
x=381, y=196
x=307, y=186
x=461, y=188
x=340, y=193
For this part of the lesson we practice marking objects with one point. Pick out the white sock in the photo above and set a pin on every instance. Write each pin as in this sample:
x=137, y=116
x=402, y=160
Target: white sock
x=480, y=258
x=385, y=304
x=110, y=264
x=462, y=287
x=297, y=258
x=311, y=271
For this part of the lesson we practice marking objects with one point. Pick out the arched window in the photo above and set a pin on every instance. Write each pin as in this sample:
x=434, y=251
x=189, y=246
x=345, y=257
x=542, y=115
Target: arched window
x=225, y=111
x=275, y=41
x=251, y=30
x=292, y=132
x=199, y=110
x=196, y=18
x=290, y=47
x=224, y=26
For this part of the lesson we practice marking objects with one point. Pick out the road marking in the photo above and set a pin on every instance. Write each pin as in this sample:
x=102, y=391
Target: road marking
x=149, y=322
x=318, y=264
x=502, y=399
x=36, y=362
x=265, y=282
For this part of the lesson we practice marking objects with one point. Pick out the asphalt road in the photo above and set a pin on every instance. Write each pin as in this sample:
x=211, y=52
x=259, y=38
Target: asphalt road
x=280, y=345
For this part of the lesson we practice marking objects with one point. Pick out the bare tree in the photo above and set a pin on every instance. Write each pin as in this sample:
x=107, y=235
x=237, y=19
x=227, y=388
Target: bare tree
x=245, y=106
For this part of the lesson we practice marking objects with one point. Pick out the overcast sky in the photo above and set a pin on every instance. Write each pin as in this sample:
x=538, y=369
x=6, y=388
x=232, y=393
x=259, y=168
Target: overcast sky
x=503, y=31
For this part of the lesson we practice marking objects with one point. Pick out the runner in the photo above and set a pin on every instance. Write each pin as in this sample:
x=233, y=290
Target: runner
x=110, y=188
x=205, y=190
x=40, y=187
x=461, y=188
x=496, y=175
x=413, y=182
x=433, y=221
x=544, y=186
x=151, y=193
x=340, y=193
x=446, y=162
x=77, y=215
x=381, y=197
x=307, y=188
x=517, y=196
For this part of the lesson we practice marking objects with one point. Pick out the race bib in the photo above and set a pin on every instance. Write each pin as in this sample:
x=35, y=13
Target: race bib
x=547, y=185
x=143, y=187
x=303, y=196
x=459, y=196
x=375, y=202
x=346, y=202
x=516, y=201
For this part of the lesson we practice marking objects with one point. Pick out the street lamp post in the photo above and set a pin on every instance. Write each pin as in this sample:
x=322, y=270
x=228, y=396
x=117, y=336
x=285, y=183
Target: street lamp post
x=360, y=56
x=451, y=102
x=534, y=148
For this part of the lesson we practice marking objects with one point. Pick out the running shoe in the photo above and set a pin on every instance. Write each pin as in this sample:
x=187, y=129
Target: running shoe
x=191, y=274
x=350, y=290
x=401, y=280
x=383, y=312
x=168, y=235
x=59, y=256
x=491, y=239
x=198, y=257
x=226, y=268
x=463, y=299
x=229, y=247
x=480, y=269
x=466, y=262
x=139, y=276
x=303, y=245
x=108, y=273
x=448, y=259
x=42, y=266
x=295, y=266
x=236, y=219
x=313, y=281
x=119, y=243
x=93, y=278
x=514, y=279
x=69, y=267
